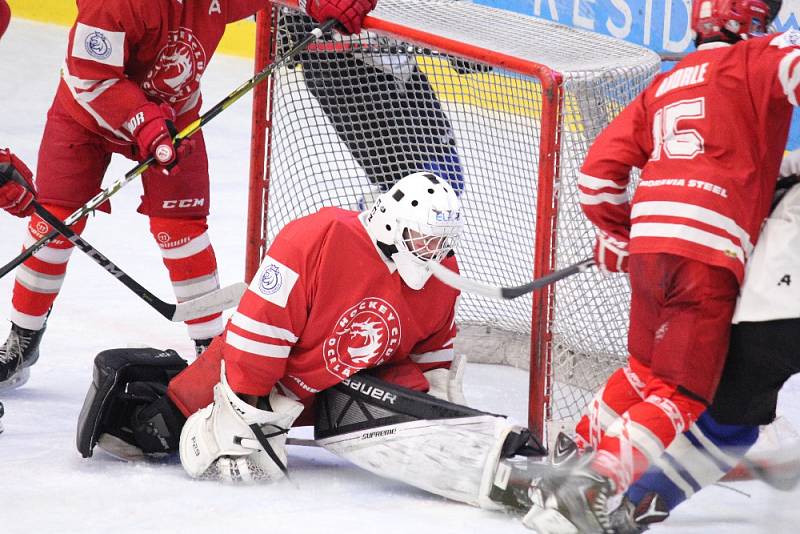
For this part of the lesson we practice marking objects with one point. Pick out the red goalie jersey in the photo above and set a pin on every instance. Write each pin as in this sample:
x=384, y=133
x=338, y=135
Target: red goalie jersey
x=708, y=171
x=325, y=304
x=122, y=53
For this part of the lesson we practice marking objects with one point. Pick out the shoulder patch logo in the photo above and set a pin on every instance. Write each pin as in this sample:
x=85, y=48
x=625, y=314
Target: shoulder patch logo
x=787, y=38
x=97, y=45
x=274, y=281
x=271, y=280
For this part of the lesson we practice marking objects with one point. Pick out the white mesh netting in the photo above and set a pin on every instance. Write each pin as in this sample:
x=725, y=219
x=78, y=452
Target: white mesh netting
x=354, y=114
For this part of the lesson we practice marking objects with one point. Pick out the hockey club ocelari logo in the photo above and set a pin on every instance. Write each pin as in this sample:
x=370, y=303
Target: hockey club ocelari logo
x=271, y=280
x=365, y=335
x=97, y=45
x=176, y=73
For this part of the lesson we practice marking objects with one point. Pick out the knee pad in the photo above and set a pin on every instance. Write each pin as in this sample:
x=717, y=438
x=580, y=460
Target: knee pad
x=127, y=403
x=38, y=228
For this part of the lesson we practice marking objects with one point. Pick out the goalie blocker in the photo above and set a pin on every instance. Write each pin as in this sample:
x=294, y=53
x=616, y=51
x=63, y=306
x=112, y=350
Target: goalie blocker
x=444, y=448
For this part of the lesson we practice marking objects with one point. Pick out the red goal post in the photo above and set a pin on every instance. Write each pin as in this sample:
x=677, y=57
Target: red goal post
x=523, y=98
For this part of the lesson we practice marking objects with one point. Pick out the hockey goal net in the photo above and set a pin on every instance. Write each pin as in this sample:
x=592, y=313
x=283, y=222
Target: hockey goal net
x=503, y=105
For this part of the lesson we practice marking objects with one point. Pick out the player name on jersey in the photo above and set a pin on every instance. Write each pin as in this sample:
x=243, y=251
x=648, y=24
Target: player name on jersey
x=683, y=78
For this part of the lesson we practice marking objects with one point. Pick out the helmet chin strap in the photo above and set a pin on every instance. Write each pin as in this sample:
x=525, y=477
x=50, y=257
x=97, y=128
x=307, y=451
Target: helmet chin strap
x=387, y=249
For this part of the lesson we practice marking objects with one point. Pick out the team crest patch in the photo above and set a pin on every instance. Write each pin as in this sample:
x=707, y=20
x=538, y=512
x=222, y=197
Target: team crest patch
x=274, y=281
x=176, y=73
x=787, y=38
x=97, y=45
x=365, y=335
x=271, y=280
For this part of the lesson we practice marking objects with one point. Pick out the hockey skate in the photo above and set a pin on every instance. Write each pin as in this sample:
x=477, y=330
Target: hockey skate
x=18, y=353
x=630, y=519
x=571, y=501
x=518, y=477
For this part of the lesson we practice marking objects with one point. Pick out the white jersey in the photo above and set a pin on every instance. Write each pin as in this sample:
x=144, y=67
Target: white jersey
x=771, y=288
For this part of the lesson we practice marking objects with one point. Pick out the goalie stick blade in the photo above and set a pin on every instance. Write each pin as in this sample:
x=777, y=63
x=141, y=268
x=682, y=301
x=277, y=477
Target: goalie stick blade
x=475, y=287
x=216, y=301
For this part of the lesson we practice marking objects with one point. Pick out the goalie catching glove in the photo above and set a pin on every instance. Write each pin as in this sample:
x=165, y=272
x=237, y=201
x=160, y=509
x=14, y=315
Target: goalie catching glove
x=231, y=440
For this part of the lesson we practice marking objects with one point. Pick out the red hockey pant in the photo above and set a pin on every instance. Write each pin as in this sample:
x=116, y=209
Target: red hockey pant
x=678, y=338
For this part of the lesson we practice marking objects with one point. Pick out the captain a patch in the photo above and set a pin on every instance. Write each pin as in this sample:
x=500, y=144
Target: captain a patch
x=274, y=281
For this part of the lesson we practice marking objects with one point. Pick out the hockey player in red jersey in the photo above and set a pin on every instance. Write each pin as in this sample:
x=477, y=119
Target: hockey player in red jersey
x=764, y=353
x=130, y=79
x=708, y=136
x=342, y=312
x=339, y=292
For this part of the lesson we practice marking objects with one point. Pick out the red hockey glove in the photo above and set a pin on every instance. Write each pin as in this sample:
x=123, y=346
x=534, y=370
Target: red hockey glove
x=611, y=253
x=152, y=127
x=349, y=13
x=16, y=185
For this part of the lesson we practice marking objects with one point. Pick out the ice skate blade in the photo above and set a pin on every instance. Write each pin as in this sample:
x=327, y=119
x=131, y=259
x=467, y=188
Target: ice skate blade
x=16, y=380
x=548, y=521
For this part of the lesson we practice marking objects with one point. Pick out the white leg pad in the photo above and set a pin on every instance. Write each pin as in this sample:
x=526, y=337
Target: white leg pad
x=455, y=458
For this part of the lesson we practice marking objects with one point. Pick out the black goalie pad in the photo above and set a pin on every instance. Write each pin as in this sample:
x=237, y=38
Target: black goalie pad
x=365, y=402
x=123, y=378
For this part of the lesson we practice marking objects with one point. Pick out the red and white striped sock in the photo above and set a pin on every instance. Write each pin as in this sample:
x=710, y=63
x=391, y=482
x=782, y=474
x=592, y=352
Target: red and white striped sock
x=645, y=429
x=39, y=278
x=623, y=389
x=189, y=258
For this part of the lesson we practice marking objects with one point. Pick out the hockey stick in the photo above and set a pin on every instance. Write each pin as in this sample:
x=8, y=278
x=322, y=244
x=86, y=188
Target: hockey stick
x=215, y=301
x=457, y=281
x=197, y=124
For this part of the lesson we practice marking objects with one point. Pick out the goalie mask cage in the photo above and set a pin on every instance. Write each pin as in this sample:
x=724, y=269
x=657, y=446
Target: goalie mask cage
x=507, y=103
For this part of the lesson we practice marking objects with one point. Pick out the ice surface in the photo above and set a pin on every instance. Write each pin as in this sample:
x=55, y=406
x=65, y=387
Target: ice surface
x=45, y=486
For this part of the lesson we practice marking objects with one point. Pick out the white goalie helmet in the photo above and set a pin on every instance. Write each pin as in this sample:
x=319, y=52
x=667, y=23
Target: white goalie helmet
x=420, y=217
